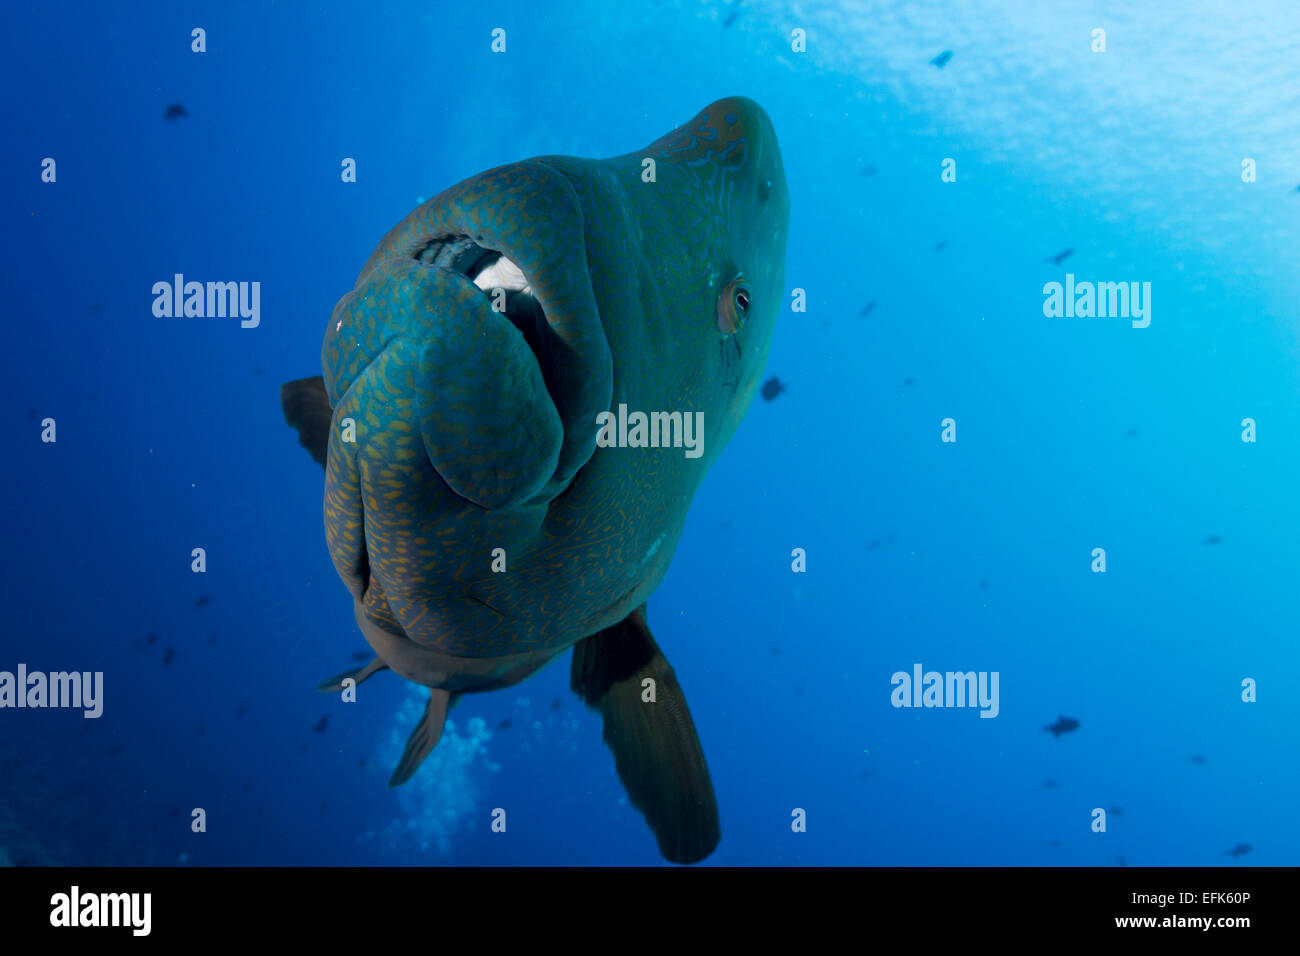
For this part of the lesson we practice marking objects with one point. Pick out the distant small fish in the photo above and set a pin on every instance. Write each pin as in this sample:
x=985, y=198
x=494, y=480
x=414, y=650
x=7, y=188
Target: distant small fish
x=1063, y=725
x=203, y=601
x=362, y=655
x=1061, y=256
x=169, y=655
x=212, y=638
x=1116, y=811
x=772, y=388
x=505, y=723
x=865, y=775
x=1050, y=784
x=116, y=749
x=942, y=59
x=31, y=414
x=555, y=704
x=868, y=170
x=891, y=537
x=243, y=708
x=1213, y=539
x=868, y=308
x=731, y=17
x=198, y=728
x=175, y=111
x=774, y=648
x=984, y=584
x=152, y=638
x=95, y=307
x=1241, y=849
x=1054, y=843
x=941, y=245
x=873, y=544
x=1132, y=433
x=1119, y=860
x=1196, y=758
x=908, y=382
x=322, y=724
x=361, y=761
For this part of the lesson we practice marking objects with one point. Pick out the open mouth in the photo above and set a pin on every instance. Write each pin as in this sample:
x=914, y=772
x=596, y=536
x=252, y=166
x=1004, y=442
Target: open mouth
x=502, y=282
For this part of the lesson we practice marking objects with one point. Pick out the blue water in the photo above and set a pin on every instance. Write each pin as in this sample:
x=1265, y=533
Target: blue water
x=1072, y=434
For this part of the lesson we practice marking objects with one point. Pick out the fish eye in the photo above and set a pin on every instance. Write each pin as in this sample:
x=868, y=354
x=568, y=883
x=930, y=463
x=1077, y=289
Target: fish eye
x=733, y=306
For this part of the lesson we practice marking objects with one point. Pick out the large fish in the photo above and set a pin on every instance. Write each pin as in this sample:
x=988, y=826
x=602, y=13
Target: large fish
x=494, y=335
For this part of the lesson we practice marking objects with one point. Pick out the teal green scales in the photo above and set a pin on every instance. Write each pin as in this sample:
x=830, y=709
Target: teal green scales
x=468, y=506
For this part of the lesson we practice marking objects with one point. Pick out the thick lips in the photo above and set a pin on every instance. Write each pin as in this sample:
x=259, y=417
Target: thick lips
x=528, y=214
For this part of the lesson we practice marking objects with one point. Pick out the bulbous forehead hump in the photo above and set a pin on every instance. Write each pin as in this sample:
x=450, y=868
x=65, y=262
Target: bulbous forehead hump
x=731, y=132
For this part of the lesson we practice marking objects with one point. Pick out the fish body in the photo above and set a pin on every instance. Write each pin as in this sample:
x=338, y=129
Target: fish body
x=487, y=502
x=1063, y=725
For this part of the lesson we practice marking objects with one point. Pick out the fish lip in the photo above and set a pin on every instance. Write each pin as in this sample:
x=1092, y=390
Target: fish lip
x=532, y=214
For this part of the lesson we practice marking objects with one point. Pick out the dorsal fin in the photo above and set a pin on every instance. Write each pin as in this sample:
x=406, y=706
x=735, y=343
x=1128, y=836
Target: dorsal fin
x=306, y=407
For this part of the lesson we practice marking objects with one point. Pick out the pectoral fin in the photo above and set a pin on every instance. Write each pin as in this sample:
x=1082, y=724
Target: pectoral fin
x=656, y=750
x=359, y=674
x=424, y=738
x=307, y=408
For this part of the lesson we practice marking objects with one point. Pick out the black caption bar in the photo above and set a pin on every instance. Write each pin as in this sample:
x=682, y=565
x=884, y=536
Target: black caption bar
x=333, y=905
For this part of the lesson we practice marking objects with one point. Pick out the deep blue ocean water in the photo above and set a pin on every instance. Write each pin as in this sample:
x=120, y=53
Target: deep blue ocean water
x=1072, y=433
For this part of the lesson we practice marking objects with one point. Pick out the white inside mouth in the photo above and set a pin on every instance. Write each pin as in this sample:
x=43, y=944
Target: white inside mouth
x=503, y=274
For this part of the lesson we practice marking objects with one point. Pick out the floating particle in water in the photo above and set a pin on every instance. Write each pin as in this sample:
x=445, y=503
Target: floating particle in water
x=942, y=59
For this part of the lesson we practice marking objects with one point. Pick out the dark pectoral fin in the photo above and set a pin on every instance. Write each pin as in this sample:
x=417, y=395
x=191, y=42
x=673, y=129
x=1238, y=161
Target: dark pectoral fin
x=656, y=750
x=357, y=674
x=424, y=738
x=307, y=408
